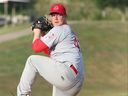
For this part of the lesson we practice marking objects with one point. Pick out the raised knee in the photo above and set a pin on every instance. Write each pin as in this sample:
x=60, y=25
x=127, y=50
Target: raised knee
x=31, y=57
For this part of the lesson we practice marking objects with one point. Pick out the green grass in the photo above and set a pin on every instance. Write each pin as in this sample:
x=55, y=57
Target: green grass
x=13, y=28
x=105, y=50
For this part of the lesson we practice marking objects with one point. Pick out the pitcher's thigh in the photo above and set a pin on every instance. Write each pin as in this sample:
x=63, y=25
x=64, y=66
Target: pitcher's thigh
x=70, y=92
x=47, y=68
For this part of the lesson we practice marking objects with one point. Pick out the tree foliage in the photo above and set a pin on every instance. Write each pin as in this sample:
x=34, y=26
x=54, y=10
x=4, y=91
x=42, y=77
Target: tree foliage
x=76, y=9
x=121, y=4
x=41, y=7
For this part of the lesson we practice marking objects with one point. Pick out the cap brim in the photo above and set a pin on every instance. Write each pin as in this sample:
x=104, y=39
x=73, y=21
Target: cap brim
x=56, y=13
x=53, y=13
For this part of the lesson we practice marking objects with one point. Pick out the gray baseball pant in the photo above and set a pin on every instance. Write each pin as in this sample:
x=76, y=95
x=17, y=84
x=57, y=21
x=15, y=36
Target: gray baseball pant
x=65, y=82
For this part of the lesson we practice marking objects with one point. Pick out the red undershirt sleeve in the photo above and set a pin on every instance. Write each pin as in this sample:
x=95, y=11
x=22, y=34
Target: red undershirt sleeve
x=39, y=46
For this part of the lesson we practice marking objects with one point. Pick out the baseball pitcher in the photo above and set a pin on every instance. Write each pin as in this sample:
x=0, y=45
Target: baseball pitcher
x=63, y=67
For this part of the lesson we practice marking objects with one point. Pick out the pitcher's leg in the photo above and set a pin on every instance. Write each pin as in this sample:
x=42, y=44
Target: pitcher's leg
x=58, y=92
x=70, y=92
x=27, y=78
x=45, y=66
x=51, y=70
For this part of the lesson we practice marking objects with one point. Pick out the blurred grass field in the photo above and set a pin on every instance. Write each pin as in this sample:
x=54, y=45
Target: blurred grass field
x=105, y=50
x=13, y=28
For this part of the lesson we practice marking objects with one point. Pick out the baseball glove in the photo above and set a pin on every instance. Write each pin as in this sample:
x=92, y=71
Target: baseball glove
x=42, y=23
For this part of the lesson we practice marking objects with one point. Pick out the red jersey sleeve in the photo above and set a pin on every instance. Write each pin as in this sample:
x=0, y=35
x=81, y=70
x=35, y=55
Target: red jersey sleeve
x=39, y=46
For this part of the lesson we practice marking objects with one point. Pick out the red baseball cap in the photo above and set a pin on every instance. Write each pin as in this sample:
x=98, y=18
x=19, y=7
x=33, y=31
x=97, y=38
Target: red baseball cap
x=58, y=8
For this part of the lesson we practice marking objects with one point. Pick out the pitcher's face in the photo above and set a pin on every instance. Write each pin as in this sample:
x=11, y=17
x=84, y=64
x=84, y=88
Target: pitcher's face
x=58, y=19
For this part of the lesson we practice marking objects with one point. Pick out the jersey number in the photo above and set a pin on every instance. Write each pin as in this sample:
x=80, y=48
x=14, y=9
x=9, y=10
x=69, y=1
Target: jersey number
x=76, y=43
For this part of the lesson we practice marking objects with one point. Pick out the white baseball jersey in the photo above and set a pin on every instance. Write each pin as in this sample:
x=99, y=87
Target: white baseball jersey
x=63, y=44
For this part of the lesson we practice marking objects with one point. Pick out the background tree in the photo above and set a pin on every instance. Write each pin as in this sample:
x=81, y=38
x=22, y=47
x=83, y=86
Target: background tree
x=120, y=4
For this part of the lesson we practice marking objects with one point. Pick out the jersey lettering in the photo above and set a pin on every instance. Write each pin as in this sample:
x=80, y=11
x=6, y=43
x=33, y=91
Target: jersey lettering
x=76, y=43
